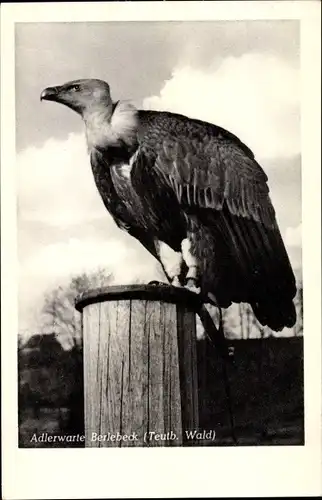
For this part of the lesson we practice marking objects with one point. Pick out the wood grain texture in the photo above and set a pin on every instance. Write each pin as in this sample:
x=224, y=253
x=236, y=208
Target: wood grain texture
x=188, y=368
x=155, y=364
x=91, y=328
x=140, y=373
x=138, y=400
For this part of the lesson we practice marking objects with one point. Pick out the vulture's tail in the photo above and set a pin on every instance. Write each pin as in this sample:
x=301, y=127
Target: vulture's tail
x=275, y=312
x=244, y=261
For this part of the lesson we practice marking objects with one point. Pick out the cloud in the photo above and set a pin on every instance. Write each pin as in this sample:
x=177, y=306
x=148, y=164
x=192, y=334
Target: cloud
x=293, y=236
x=64, y=228
x=293, y=243
x=125, y=259
x=76, y=256
x=255, y=96
x=55, y=183
x=51, y=265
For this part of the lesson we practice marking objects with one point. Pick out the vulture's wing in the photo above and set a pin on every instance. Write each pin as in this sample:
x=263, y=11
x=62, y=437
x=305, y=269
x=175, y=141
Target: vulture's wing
x=207, y=166
x=216, y=177
x=123, y=205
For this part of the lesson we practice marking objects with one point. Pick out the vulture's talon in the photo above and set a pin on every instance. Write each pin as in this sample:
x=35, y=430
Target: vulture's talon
x=191, y=286
x=175, y=282
x=157, y=283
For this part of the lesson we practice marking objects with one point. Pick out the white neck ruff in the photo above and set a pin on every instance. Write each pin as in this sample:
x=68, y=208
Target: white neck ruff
x=104, y=129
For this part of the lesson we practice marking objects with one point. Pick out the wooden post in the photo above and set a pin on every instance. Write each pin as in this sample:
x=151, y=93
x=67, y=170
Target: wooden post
x=140, y=367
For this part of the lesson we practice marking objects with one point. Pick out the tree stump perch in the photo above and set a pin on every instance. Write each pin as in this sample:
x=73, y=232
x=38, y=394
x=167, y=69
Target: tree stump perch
x=140, y=366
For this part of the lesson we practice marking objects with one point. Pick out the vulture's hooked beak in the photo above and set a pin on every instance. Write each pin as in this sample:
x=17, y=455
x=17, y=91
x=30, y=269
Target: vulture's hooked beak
x=50, y=94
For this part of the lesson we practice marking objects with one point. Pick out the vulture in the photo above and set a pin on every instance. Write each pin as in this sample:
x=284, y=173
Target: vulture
x=194, y=196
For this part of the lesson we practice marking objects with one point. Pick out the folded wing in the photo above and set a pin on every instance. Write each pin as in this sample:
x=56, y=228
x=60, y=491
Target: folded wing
x=224, y=191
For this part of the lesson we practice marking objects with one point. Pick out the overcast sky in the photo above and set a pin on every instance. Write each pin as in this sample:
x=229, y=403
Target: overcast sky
x=243, y=75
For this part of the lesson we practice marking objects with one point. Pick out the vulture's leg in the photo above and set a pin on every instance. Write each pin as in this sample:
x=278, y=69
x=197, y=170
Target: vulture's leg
x=191, y=261
x=171, y=262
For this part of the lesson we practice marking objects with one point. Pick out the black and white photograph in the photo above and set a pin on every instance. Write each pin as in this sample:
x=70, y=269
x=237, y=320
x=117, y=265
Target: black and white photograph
x=159, y=234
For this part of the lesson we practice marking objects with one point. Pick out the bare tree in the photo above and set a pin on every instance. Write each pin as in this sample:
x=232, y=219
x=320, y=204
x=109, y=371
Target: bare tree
x=21, y=342
x=241, y=320
x=58, y=312
x=246, y=320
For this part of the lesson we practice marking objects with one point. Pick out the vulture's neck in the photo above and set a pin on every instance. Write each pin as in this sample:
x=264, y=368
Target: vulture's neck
x=111, y=126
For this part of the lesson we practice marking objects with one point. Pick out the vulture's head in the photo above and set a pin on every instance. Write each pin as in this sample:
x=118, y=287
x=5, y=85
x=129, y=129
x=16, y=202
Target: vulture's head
x=80, y=95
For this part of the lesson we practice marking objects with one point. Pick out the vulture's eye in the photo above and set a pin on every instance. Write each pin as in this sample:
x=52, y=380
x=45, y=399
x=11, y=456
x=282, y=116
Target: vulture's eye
x=75, y=88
